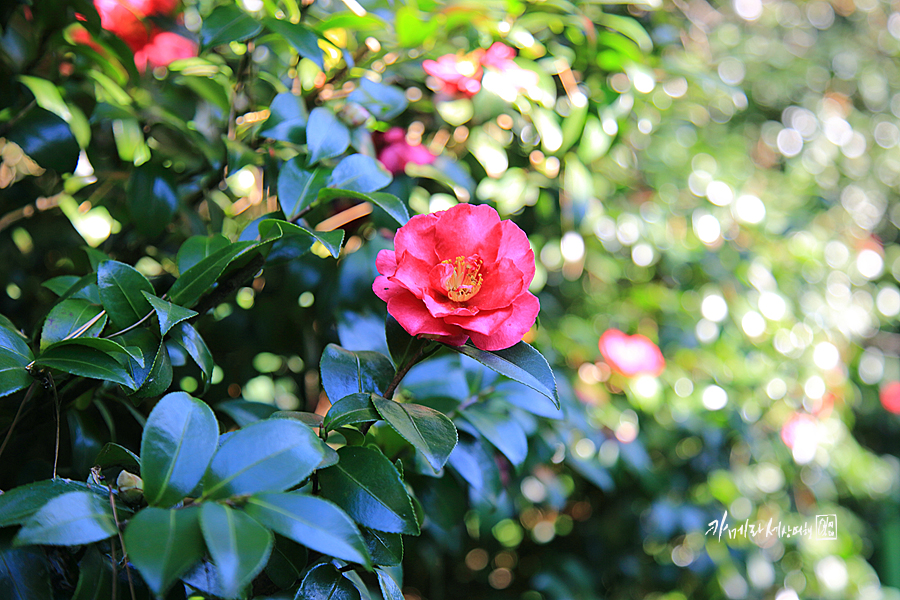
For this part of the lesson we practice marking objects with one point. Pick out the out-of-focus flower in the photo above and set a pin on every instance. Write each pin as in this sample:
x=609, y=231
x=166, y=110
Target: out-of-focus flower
x=503, y=75
x=460, y=274
x=457, y=74
x=15, y=164
x=890, y=397
x=631, y=355
x=164, y=48
x=797, y=427
x=394, y=151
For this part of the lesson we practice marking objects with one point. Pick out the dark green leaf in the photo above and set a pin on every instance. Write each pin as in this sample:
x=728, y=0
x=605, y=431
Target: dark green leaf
x=330, y=239
x=197, y=280
x=196, y=248
x=179, y=439
x=266, y=456
x=366, y=485
x=298, y=188
x=324, y=582
x=350, y=410
x=168, y=314
x=499, y=429
x=95, y=576
x=326, y=136
x=113, y=454
x=287, y=561
x=389, y=588
x=429, y=431
x=521, y=363
x=47, y=139
x=384, y=548
x=302, y=38
x=475, y=463
x=152, y=199
x=226, y=24
x=108, y=346
x=120, y=291
x=188, y=338
x=70, y=286
x=307, y=418
x=359, y=173
x=287, y=120
x=13, y=375
x=344, y=372
x=239, y=546
x=85, y=361
x=24, y=573
x=391, y=204
x=155, y=375
x=384, y=101
x=527, y=399
x=68, y=317
x=244, y=412
x=164, y=544
x=311, y=521
x=401, y=345
x=18, y=504
x=71, y=519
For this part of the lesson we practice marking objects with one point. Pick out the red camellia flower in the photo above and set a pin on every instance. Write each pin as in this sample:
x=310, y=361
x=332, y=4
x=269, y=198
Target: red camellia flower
x=164, y=48
x=460, y=274
x=395, y=152
x=890, y=397
x=631, y=355
x=456, y=74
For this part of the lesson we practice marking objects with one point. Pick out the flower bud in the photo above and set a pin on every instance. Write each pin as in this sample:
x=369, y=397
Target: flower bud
x=130, y=486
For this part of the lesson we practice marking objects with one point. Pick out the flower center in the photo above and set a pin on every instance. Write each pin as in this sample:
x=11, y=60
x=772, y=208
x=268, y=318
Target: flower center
x=465, y=281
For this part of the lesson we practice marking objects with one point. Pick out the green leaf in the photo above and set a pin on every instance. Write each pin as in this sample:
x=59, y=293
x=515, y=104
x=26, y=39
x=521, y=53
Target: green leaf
x=108, y=346
x=521, y=363
x=14, y=342
x=114, y=455
x=71, y=519
x=179, y=440
x=389, y=588
x=13, y=375
x=68, y=317
x=239, y=546
x=359, y=173
x=384, y=548
x=401, y=346
x=19, y=503
x=324, y=582
x=47, y=139
x=316, y=523
x=70, y=286
x=287, y=120
x=164, y=544
x=85, y=361
x=384, y=101
x=429, y=431
x=366, y=485
x=351, y=410
x=197, y=280
x=302, y=38
x=307, y=418
x=196, y=248
x=326, y=136
x=153, y=377
x=24, y=573
x=475, y=463
x=411, y=30
x=330, y=239
x=391, y=204
x=95, y=576
x=287, y=562
x=504, y=433
x=120, y=291
x=244, y=412
x=344, y=372
x=168, y=314
x=152, y=199
x=298, y=188
x=266, y=456
x=48, y=97
x=188, y=338
x=226, y=24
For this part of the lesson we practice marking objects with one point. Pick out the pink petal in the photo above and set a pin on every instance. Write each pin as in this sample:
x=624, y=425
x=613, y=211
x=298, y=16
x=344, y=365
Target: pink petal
x=411, y=313
x=508, y=333
x=631, y=355
x=464, y=230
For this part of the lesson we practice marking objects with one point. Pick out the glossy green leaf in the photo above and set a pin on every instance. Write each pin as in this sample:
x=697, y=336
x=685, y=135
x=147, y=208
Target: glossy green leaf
x=70, y=316
x=108, y=346
x=299, y=188
x=391, y=204
x=521, y=363
x=72, y=519
x=120, y=291
x=429, y=431
x=228, y=23
x=153, y=377
x=389, y=588
x=244, y=412
x=14, y=342
x=503, y=432
x=239, y=546
x=113, y=454
x=95, y=576
x=85, y=361
x=325, y=582
x=47, y=139
x=385, y=548
x=18, y=504
x=188, y=338
x=326, y=135
x=196, y=248
x=307, y=418
x=152, y=199
x=366, y=485
x=287, y=121
x=359, y=173
x=302, y=38
x=197, y=280
x=401, y=345
x=179, y=439
x=266, y=456
x=70, y=286
x=330, y=239
x=168, y=314
x=351, y=410
x=344, y=372
x=164, y=544
x=287, y=562
x=311, y=521
x=13, y=375
x=475, y=463
x=24, y=572
x=384, y=101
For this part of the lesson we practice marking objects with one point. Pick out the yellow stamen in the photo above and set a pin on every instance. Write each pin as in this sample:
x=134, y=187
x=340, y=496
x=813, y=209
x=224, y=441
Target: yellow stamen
x=465, y=280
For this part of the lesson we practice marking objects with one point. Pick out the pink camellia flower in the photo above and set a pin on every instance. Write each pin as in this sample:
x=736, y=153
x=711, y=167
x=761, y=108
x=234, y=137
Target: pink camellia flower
x=164, y=47
x=395, y=152
x=890, y=397
x=457, y=74
x=498, y=56
x=460, y=274
x=631, y=355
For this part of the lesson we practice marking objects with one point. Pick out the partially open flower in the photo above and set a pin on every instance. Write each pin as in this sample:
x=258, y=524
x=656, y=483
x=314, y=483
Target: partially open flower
x=395, y=152
x=631, y=355
x=460, y=274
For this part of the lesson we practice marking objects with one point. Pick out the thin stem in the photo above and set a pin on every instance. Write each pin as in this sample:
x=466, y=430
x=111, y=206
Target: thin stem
x=80, y=331
x=133, y=326
x=56, y=414
x=12, y=425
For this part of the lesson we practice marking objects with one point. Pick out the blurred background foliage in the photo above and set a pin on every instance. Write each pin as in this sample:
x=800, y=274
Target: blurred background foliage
x=720, y=177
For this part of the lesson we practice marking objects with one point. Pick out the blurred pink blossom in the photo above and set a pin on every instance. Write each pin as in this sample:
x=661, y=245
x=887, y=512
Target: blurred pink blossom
x=631, y=355
x=395, y=152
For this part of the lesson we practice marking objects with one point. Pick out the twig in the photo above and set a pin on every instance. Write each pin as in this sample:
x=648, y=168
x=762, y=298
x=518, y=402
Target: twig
x=225, y=288
x=56, y=414
x=12, y=425
x=85, y=327
x=132, y=326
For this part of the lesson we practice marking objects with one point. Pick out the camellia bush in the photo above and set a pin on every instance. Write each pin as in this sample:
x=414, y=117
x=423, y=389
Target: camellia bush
x=436, y=299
